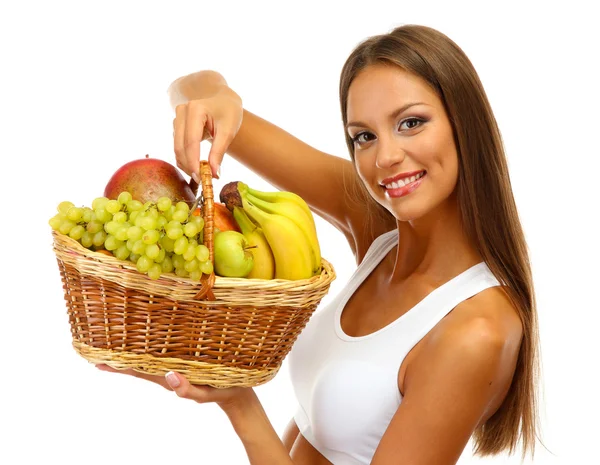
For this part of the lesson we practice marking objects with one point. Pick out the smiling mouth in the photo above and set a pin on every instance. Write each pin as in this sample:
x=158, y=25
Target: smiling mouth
x=404, y=182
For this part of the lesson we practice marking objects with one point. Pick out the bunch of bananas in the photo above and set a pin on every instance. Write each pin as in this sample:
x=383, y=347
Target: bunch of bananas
x=280, y=232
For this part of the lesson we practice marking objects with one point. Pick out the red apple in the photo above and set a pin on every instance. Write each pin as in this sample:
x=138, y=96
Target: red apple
x=148, y=179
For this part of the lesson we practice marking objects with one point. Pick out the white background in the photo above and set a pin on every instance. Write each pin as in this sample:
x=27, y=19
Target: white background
x=83, y=90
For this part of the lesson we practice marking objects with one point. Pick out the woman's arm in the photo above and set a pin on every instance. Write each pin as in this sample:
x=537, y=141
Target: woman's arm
x=262, y=444
x=206, y=107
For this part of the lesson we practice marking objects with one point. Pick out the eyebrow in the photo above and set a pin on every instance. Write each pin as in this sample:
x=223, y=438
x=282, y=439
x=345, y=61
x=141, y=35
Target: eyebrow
x=392, y=115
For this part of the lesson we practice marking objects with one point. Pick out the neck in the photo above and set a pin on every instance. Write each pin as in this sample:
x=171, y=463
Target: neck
x=435, y=245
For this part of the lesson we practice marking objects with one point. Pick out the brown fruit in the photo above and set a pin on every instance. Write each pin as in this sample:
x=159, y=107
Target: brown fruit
x=230, y=195
x=148, y=179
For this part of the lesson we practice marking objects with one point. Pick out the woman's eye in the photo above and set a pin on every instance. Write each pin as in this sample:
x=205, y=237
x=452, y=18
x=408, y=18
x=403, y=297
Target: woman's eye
x=362, y=138
x=410, y=123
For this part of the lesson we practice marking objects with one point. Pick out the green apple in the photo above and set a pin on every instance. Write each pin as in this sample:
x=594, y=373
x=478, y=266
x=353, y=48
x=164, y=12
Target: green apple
x=232, y=258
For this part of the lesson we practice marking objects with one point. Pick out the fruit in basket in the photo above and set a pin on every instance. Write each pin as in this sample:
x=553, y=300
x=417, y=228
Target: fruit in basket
x=294, y=258
x=233, y=258
x=287, y=223
x=158, y=237
x=264, y=262
x=148, y=179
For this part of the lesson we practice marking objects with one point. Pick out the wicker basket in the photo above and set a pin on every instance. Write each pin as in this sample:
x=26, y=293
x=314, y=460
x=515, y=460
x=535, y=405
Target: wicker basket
x=221, y=332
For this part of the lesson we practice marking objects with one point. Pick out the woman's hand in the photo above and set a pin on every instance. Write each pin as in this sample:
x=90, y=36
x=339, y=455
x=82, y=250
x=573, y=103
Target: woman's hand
x=217, y=118
x=230, y=400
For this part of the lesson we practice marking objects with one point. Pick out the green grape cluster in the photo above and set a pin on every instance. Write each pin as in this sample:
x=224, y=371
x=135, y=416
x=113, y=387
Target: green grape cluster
x=159, y=237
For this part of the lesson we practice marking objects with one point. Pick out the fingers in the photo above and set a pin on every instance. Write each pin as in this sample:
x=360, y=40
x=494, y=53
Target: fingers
x=160, y=380
x=222, y=140
x=184, y=389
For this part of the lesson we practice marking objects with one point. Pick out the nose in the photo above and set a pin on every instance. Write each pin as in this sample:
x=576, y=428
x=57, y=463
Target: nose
x=389, y=152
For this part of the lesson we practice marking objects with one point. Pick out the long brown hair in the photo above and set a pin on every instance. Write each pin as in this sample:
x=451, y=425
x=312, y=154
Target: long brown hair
x=487, y=206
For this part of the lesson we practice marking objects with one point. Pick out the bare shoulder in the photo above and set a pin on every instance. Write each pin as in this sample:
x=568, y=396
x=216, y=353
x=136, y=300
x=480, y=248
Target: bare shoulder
x=456, y=381
x=482, y=337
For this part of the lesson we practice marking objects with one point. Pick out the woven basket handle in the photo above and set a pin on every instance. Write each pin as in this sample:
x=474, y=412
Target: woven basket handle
x=208, y=211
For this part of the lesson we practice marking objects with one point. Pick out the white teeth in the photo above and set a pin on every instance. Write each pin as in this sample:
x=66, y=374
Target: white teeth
x=404, y=182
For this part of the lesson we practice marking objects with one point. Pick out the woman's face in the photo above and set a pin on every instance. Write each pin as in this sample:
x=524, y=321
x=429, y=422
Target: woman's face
x=403, y=143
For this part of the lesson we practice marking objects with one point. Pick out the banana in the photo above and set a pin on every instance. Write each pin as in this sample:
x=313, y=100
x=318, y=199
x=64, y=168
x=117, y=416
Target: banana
x=264, y=262
x=291, y=250
x=276, y=197
x=298, y=215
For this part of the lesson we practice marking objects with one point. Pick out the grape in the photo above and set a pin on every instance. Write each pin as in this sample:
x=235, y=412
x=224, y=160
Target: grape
x=178, y=261
x=99, y=202
x=121, y=233
x=148, y=223
x=199, y=221
x=124, y=198
x=102, y=215
x=191, y=265
x=161, y=222
x=196, y=275
x=112, y=243
x=189, y=253
x=134, y=257
x=134, y=206
x=94, y=226
x=139, y=247
x=76, y=232
x=56, y=221
x=180, y=245
x=75, y=214
x=180, y=215
x=63, y=207
x=99, y=238
x=144, y=263
x=130, y=244
x=151, y=236
x=181, y=272
x=87, y=239
x=154, y=271
x=120, y=217
x=152, y=251
x=122, y=253
x=190, y=229
x=163, y=204
x=161, y=256
x=167, y=243
x=135, y=233
x=167, y=265
x=87, y=214
x=183, y=206
x=112, y=227
x=113, y=206
x=206, y=267
x=174, y=232
x=66, y=226
x=202, y=253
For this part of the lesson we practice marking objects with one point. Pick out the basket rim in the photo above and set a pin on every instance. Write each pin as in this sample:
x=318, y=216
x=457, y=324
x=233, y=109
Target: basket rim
x=324, y=278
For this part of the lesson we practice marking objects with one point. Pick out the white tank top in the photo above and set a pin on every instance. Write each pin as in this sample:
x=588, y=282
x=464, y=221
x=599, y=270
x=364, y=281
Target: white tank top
x=347, y=387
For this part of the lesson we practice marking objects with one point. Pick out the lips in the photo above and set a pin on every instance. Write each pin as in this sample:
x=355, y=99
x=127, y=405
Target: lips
x=408, y=174
x=395, y=192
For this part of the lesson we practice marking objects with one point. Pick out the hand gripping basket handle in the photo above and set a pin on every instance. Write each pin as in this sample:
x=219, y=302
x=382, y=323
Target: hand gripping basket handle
x=208, y=210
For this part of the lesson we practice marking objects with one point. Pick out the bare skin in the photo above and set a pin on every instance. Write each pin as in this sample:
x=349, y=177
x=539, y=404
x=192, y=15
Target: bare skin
x=457, y=376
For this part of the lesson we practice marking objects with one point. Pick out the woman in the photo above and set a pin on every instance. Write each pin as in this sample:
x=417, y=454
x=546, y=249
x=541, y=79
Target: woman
x=434, y=340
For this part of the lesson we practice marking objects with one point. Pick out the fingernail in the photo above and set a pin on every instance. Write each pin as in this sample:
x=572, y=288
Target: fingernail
x=172, y=379
x=219, y=172
x=196, y=178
